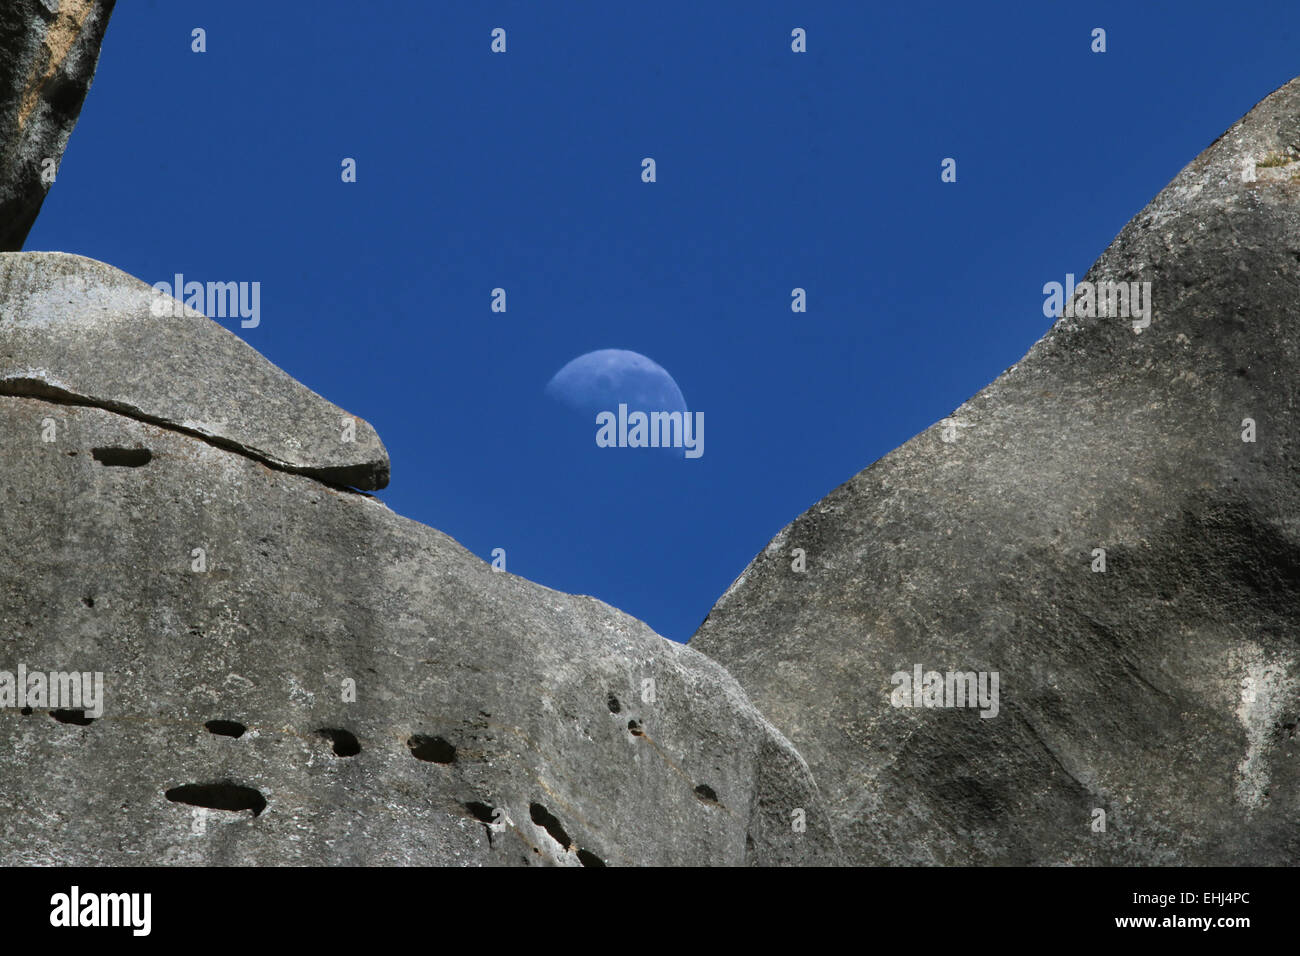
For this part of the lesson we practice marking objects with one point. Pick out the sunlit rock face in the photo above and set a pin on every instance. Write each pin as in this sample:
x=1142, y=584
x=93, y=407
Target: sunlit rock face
x=76, y=330
x=1111, y=528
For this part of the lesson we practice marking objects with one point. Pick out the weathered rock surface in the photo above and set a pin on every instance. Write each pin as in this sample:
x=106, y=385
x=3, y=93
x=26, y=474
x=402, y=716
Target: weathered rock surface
x=48, y=52
x=1164, y=690
x=77, y=330
x=475, y=692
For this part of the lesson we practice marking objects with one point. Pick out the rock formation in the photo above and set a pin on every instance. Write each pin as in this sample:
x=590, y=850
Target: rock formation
x=292, y=673
x=48, y=52
x=76, y=331
x=163, y=527
x=1162, y=691
x=271, y=667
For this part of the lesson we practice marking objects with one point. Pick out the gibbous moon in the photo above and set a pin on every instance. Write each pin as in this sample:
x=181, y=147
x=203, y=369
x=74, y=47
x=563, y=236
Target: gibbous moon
x=602, y=380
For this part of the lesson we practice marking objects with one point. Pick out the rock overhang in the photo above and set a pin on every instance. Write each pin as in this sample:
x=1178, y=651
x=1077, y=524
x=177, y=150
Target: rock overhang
x=76, y=330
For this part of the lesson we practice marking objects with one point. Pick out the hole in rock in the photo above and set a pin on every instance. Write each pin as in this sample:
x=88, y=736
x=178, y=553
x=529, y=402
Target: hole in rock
x=26, y=711
x=88, y=601
x=225, y=728
x=344, y=741
x=705, y=792
x=482, y=812
x=431, y=749
x=587, y=858
x=77, y=717
x=62, y=95
x=122, y=457
x=222, y=795
x=614, y=706
x=634, y=728
x=543, y=818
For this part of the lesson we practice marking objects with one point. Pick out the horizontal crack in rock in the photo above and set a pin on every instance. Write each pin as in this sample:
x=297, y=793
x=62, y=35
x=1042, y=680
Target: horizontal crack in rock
x=335, y=478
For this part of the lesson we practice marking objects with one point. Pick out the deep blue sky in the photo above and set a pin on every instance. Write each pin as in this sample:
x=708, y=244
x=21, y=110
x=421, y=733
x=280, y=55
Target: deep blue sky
x=522, y=170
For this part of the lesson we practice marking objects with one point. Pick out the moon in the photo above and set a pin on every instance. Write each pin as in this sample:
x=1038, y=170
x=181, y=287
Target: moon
x=602, y=380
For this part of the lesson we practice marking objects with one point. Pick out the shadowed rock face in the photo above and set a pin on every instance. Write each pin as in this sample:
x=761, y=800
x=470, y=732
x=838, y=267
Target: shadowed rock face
x=1164, y=690
x=230, y=732
x=48, y=52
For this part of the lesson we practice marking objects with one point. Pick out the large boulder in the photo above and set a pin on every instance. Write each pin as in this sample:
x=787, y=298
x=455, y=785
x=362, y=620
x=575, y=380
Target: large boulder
x=48, y=52
x=76, y=330
x=1162, y=691
x=294, y=674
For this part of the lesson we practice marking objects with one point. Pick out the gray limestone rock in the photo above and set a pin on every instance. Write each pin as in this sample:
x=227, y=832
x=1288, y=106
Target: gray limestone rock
x=77, y=330
x=1163, y=691
x=293, y=674
x=48, y=52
